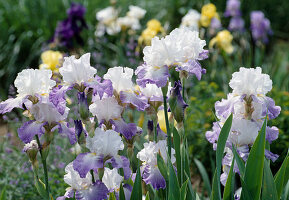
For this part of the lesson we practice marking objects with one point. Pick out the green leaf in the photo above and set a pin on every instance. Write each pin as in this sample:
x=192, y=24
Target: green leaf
x=191, y=195
x=147, y=196
x=255, y=164
x=229, y=187
x=216, y=190
x=204, y=175
x=121, y=193
x=214, y=193
x=177, y=142
x=285, y=195
x=112, y=196
x=40, y=186
x=174, y=189
x=136, y=193
x=187, y=163
x=3, y=194
x=245, y=194
x=184, y=190
x=162, y=167
x=240, y=162
x=280, y=178
x=269, y=188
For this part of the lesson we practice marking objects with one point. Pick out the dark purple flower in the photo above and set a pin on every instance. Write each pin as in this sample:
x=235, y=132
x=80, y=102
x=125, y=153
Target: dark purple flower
x=177, y=103
x=70, y=28
x=260, y=26
x=76, y=10
x=82, y=105
x=78, y=128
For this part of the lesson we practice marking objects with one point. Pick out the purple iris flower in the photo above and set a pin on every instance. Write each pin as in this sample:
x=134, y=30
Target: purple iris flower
x=233, y=8
x=260, y=26
x=70, y=28
x=236, y=24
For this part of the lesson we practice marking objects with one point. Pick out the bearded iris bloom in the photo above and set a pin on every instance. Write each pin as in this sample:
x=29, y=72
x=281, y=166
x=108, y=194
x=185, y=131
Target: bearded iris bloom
x=249, y=105
x=32, y=85
x=178, y=48
x=148, y=155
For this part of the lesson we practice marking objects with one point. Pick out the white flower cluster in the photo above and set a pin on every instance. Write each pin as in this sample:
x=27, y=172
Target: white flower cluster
x=110, y=23
x=178, y=47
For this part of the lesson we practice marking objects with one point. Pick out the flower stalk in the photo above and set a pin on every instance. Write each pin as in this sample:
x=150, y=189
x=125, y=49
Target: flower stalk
x=164, y=91
x=43, y=159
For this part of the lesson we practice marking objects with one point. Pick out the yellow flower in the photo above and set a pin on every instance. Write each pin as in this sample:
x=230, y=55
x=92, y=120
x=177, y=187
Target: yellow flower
x=141, y=119
x=207, y=125
x=193, y=98
x=286, y=112
x=155, y=25
x=162, y=121
x=223, y=40
x=208, y=12
x=50, y=60
x=153, y=28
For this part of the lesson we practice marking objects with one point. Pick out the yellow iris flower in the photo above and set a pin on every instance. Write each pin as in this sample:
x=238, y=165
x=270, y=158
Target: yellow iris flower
x=153, y=28
x=162, y=121
x=223, y=40
x=209, y=11
x=50, y=60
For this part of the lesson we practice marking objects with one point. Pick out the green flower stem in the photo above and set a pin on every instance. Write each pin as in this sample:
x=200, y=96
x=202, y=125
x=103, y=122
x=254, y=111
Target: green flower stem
x=44, y=166
x=183, y=88
x=155, y=132
x=167, y=123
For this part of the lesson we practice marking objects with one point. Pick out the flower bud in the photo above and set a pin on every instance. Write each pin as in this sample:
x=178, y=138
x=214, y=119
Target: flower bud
x=31, y=150
x=79, y=131
x=177, y=103
x=83, y=106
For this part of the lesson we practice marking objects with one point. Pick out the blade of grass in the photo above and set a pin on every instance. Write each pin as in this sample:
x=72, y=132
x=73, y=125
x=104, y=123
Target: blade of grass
x=204, y=175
